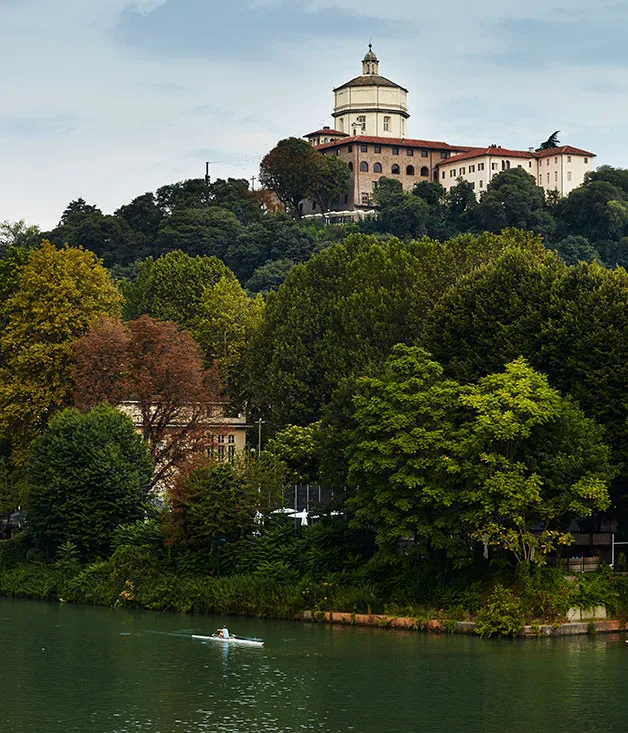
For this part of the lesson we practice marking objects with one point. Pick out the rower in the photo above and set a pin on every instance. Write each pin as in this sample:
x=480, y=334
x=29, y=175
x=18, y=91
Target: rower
x=223, y=633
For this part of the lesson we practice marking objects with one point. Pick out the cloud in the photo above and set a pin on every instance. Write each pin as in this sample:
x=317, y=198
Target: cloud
x=238, y=28
x=35, y=127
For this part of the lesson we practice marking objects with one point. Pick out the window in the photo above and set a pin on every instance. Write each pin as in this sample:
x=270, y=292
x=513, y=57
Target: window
x=519, y=165
x=569, y=175
x=471, y=169
x=493, y=166
x=481, y=183
x=364, y=148
x=410, y=170
x=540, y=180
x=586, y=160
x=555, y=175
x=425, y=171
x=548, y=177
x=480, y=166
x=231, y=453
x=443, y=174
x=378, y=148
x=410, y=151
x=365, y=198
x=530, y=164
x=395, y=170
x=548, y=161
x=350, y=148
x=555, y=160
x=395, y=151
x=377, y=168
x=350, y=164
x=337, y=151
x=473, y=185
x=386, y=124
x=452, y=173
x=361, y=122
x=325, y=140
x=231, y=439
x=569, y=158
x=443, y=156
x=364, y=166
x=221, y=452
x=374, y=185
x=424, y=153
x=462, y=170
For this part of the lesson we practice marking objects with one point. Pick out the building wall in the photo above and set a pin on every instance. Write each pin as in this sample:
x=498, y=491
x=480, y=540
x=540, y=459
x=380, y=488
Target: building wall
x=364, y=109
x=562, y=172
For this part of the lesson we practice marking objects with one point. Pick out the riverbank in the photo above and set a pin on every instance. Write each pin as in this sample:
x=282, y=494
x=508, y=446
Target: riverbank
x=570, y=628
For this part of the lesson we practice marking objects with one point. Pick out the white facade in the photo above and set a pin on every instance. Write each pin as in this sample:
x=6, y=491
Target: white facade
x=559, y=169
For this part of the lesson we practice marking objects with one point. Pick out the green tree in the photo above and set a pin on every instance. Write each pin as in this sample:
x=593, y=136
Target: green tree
x=512, y=199
x=86, y=474
x=462, y=207
x=573, y=249
x=17, y=234
x=407, y=219
x=60, y=293
x=207, y=232
x=269, y=276
x=503, y=460
x=170, y=287
x=290, y=170
x=388, y=192
x=330, y=181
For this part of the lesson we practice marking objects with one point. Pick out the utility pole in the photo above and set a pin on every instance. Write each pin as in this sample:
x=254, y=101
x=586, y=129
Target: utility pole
x=253, y=179
x=207, y=179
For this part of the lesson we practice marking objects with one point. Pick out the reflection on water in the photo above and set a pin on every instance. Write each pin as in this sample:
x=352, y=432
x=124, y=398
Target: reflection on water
x=91, y=669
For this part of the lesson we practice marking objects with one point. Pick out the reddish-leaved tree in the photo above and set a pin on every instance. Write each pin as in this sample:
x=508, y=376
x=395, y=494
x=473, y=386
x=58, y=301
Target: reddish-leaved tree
x=153, y=371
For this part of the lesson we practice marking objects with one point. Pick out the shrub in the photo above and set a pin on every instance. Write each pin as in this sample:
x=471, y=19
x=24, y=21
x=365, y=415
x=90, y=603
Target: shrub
x=501, y=616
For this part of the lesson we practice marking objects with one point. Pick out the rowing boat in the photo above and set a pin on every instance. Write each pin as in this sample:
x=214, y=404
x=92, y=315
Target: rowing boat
x=247, y=641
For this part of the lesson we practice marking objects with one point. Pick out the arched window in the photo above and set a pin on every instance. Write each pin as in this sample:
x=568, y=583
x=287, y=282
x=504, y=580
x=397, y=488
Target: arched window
x=410, y=170
x=395, y=170
x=377, y=168
x=364, y=167
x=425, y=171
x=351, y=167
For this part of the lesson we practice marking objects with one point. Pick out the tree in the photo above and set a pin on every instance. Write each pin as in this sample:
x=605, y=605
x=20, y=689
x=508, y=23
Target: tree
x=502, y=461
x=17, y=234
x=529, y=458
x=269, y=276
x=330, y=180
x=225, y=319
x=212, y=503
x=207, y=232
x=551, y=142
x=597, y=211
x=407, y=219
x=289, y=170
x=512, y=199
x=170, y=287
x=462, y=207
x=192, y=193
x=235, y=196
x=388, y=192
x=86, y=475
x=60, y=292
x=143, y=215
x=154, y=370
x=573, y=249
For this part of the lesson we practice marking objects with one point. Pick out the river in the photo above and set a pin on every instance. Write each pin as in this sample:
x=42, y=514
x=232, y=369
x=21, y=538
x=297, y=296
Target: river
x=68, y=668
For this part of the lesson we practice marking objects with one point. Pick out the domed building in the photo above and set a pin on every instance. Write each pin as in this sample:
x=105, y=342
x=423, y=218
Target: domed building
x=370, y=116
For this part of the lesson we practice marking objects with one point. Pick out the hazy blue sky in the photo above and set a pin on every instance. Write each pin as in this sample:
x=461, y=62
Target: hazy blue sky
x=108, y=99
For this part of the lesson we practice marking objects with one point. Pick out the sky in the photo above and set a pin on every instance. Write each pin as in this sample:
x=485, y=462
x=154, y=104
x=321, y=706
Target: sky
x=109, y=99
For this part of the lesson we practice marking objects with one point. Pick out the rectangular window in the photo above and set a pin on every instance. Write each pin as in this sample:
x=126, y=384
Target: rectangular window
x=540, y=180
x=361, y=122
x=221, y=452
x=374, y=185
x=548, y=177
x=452, y=173
x=231, y=453
x=386, y=124
x=555, y=175
x=480, y=166
x=443, y=156
x=221, y=438
x=395, y=151
x=471, y=169
x=519, y=165
x=481, y=183
x=555, y=160
x=493, y=166
x=586, y=160
x=473, y=185
x=337, y=151
x=462, y=171
x=378, y=148
x=569, y=175
x=410, y=151
x=364, y=148
x=569, y=158
x=548, y=161
x=530, y=164
x=443, y=174
x=231, y=439
x=350, y=148
x=365, y=198
x=424, y=153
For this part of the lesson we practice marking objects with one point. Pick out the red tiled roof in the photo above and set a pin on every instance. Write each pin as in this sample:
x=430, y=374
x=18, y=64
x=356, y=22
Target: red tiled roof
x=481, y=152
x=327, y=131
x=402, y=142
x=505, y=153
x=564, y=150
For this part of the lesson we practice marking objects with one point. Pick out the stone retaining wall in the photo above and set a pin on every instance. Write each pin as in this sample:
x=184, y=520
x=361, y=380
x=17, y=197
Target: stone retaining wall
x=458, y=627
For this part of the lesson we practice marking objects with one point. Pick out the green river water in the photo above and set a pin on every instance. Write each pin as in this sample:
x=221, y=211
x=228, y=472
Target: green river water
x=67, y=668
